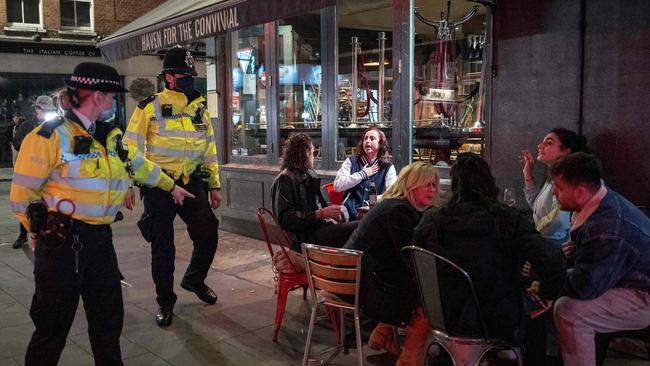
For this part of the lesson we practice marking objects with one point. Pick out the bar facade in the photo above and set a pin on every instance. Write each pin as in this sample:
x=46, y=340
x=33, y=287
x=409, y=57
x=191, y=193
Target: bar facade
x=472, y=77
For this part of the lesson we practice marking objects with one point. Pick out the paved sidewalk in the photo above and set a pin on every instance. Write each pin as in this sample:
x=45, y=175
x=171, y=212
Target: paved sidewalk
x=235, y=331
x=6, y=174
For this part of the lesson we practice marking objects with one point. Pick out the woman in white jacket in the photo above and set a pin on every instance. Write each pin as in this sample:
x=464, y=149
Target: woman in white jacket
x=371, y=165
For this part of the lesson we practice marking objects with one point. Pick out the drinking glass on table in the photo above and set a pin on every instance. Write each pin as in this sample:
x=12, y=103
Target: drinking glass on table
x=509, y=197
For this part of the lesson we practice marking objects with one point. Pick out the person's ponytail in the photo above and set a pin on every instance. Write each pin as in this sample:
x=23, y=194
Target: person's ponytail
x=68, y=99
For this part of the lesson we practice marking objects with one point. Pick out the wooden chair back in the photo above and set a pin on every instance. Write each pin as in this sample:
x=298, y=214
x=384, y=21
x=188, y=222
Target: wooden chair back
x=335, y=270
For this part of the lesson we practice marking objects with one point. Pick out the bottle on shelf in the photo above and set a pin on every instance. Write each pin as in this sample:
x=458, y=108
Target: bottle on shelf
x=372, y=195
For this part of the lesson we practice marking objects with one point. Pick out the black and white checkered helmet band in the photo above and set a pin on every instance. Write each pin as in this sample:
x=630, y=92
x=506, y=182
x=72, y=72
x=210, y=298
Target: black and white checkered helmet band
x=92, y=81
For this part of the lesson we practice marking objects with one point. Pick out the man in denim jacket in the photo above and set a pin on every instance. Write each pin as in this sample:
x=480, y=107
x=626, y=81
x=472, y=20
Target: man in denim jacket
x=608, y=286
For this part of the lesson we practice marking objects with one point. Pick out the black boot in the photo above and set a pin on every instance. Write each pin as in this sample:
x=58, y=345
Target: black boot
x=164, y=316
x=202, y=291
x=19, y=242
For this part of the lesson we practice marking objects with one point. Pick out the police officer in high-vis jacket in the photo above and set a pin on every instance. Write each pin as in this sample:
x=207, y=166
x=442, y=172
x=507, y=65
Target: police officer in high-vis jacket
x=69, y=183
x=174, y=129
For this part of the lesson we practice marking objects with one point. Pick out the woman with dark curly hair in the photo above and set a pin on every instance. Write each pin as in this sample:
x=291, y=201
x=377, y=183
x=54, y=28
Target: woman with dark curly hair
x=298, y=202
x=371, y=164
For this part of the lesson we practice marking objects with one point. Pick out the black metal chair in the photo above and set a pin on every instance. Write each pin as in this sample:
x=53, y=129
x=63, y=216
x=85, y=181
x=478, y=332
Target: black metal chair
x=464, y=351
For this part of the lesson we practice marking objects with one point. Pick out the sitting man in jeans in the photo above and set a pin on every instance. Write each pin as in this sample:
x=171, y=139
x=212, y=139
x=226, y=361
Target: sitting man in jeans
x=608, y=286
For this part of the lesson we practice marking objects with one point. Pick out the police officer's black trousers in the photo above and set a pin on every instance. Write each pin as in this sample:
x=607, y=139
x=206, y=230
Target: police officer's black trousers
x=202, y=227
x=58, y=287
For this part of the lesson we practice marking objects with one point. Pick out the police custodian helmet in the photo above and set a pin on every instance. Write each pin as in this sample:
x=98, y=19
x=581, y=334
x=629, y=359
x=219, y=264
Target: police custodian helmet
x=178, y=60
x=95, y=76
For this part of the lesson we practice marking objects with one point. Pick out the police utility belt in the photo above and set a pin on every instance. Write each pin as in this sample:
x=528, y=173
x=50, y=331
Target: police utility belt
x=197, y=173
x=53, y=227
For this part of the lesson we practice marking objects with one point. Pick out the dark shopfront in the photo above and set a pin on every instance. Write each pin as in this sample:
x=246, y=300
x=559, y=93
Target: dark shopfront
x=333, y=68
x=31, y=69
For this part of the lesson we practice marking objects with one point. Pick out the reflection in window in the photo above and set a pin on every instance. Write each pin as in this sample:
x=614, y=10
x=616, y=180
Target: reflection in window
x=299, y=73
x=248, y=100
x=364, y=80
x=23, y=11
x=447, y=75
x=75, y=13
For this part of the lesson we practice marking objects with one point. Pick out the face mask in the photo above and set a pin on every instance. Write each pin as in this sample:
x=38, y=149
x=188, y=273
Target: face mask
x=185, y=85
x=108, y=114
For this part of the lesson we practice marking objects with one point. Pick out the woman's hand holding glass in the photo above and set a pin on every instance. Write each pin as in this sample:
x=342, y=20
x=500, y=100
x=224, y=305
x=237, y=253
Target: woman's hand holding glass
x=330, y=212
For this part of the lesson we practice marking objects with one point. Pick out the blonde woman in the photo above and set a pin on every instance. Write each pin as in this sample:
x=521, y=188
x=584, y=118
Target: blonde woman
x=389, y=293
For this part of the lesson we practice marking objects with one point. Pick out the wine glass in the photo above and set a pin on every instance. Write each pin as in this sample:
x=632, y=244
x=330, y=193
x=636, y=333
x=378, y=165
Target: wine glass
x=509, y=197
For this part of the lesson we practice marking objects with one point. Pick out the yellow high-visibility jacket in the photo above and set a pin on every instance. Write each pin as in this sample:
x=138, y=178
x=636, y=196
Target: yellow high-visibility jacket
x=174, y=136
x=96, y=182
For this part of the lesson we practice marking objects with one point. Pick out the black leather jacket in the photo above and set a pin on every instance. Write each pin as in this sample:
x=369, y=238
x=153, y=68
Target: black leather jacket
x=296, y=196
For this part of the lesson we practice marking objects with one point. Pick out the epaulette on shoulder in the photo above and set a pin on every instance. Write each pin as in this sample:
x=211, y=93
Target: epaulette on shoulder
x=48, y=127
x=146, y=101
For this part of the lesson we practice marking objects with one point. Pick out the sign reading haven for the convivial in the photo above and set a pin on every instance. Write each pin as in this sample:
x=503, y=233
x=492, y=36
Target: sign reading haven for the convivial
x=216, y=22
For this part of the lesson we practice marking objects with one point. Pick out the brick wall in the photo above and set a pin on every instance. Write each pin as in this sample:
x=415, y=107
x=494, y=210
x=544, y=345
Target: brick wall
x=109, y=15
x=51, y=17
x=3, y=14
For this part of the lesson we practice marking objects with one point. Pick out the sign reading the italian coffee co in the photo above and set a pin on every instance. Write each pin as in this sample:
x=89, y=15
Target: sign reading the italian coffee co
x=49, y=49
x=215, y=22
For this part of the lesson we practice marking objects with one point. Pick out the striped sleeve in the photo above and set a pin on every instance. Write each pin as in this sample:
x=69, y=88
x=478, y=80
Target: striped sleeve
x=210, y=157
x=147, y=172
x=136, y=131
x=36, y=159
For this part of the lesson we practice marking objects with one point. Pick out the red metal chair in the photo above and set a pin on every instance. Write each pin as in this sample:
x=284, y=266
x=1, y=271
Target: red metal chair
x=286, y=282
x=334, y=196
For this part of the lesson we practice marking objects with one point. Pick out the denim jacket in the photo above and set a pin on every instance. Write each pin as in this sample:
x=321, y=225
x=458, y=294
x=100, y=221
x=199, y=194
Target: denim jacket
x=612, y=250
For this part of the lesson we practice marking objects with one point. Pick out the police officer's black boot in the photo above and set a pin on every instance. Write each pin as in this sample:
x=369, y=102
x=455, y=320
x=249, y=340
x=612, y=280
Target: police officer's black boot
x=22, y=238
x=19, y=242
x=164, y=316
x=202, y=291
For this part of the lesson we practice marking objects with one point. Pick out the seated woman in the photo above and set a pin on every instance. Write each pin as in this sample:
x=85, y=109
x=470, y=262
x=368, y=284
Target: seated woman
x=389, y=292
x=298, y=203
x=551, y=222
x=371, y=164
x=490, y=241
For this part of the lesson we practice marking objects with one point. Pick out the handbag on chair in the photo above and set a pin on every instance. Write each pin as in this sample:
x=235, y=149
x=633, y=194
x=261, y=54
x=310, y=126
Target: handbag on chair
x=288, y=261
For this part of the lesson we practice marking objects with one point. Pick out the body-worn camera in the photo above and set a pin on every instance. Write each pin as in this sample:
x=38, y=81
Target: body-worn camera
x=82, y=144
x=198, y=117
